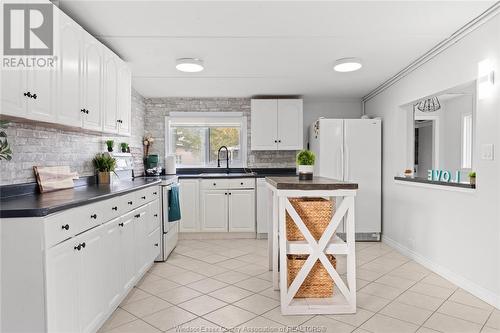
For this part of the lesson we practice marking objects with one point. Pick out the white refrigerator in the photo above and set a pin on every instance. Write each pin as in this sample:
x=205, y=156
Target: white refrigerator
x=351, y=150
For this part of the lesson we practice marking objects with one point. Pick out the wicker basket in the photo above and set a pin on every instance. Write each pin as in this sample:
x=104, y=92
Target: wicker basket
x=318, y=283
x=316, y=214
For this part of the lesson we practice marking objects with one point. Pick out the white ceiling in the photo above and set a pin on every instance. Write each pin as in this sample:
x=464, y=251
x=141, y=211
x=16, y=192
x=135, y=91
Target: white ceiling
x=273, y=48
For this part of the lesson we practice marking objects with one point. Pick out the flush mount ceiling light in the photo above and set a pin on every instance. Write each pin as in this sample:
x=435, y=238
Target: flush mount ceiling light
x=189, y=65
x=429, y=105
x=347, y=65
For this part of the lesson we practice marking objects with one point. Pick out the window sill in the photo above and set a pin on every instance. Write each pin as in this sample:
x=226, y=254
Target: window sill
x=423, y=182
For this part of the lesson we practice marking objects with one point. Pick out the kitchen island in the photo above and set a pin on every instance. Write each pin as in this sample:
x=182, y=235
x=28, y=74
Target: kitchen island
x=343, y=299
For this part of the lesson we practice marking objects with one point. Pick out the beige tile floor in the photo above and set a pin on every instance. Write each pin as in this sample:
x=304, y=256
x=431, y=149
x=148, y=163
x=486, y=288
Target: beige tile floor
x=220, y=285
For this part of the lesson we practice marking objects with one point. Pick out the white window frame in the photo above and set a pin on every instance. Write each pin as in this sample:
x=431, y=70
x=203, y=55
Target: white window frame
x=229, y=117
x=464, y=164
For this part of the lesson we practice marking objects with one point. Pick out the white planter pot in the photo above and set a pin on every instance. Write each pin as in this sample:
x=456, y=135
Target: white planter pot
x=305, y=168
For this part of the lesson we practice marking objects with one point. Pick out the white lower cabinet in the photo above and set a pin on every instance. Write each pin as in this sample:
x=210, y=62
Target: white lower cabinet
x=230, y=208
x=214, y=215
x=189, y=201
x=86, y=274
x=241, y=211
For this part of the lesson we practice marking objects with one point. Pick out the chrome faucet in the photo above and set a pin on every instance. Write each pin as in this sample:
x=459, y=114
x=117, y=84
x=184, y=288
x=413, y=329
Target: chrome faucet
x=227, y=157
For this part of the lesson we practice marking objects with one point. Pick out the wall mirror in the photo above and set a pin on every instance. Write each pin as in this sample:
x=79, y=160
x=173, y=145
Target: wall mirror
x=441, y=131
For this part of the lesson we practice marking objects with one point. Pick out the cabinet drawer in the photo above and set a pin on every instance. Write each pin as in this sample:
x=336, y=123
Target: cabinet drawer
x=64, y=225
x=153, y=244
x=153, y=218
x=214, y=184
x=154, y=192
x=241, y=183
x=143, y=196
x=130, y=202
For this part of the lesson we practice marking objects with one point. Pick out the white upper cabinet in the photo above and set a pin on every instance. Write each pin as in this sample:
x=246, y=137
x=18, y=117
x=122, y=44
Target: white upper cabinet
x=92, y=83
x=89, y=86
x=290, y=124
x=124, y=100
x=110, y=93
x=264, y=124
x=276, y=124
x=69, y=107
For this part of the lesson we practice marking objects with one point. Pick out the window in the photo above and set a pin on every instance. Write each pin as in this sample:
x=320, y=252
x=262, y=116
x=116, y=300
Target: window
x=467, y=141
x=195, y=138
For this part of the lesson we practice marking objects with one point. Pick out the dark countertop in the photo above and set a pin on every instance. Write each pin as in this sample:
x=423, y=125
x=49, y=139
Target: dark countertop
x=233, y=172
x=36, y=205
x=434, y=182
x=317, y=183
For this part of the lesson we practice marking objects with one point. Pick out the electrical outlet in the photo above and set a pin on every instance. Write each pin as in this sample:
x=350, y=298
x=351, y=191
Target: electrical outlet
x=487, y=151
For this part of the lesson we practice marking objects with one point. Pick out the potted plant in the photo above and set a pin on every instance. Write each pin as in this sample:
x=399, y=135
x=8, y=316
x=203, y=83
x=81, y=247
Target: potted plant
x=110, y=144
x=104, y=165
x=472, y=177
x=124, y=146
x=305, y=164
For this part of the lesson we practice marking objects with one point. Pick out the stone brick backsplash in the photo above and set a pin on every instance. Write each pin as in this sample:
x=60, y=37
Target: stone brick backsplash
x=45, y=145
x=158, y=108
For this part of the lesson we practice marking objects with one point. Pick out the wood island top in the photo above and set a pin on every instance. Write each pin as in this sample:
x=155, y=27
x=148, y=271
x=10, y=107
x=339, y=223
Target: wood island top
x=317, y=183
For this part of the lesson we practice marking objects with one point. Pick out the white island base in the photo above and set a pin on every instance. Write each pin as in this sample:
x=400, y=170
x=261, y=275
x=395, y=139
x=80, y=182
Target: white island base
x=343, y=300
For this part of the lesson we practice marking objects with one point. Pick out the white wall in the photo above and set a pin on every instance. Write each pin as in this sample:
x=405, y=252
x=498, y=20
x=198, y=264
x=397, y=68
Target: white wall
x=456, y=234
x=329, y=108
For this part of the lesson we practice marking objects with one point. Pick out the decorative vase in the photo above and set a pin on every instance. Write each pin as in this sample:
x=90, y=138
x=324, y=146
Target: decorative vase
x=104, y=177
x=124, y=150
x=110, y=149
x=472, y=180
x=305, y=172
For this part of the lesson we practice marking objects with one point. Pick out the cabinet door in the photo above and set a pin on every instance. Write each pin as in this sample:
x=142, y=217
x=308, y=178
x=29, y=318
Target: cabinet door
x=128, y=253
x=141, y=249
x=92, y=80
x=264, y=124
x=189, y=198
x=69, y=76
x=242, y=211
x=290, y=124
x=113, y=279
x=263, y=205
x=41, y=83
x=110, y=111
x=14, y=85
x=62, y=277
x=91, y=286
x=124, y=99
x=214, y=210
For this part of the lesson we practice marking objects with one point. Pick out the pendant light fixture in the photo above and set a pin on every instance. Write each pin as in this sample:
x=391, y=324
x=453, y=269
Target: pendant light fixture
x=429, y=105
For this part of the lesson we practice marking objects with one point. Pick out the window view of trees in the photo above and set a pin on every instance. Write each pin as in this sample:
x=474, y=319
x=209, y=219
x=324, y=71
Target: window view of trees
x=198, y=145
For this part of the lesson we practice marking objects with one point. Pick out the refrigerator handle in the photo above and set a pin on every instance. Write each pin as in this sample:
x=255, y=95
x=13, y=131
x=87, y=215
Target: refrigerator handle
x=346, y=174
x=342, y=162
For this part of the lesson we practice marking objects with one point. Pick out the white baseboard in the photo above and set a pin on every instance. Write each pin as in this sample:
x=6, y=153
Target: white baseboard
x=216, y=235
x=476, y=290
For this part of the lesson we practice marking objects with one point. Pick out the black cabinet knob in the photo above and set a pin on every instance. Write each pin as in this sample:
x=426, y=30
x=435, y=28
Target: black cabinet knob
x=156, y=215
x=229, y=193
x=241, y=183
x=78, y=247
x=143, y=198
x=83, y=245
x=156, y=244
x=130, y=202
x=275, y=141
x=87, y=111
x=225, y=193
x=66, y=226
x=279, y=141
x=155, y=193
x=120, y=224
x=27, y=94
x=82, y=110
x=137, y=216
x=215, y=184
x=34, y=96
x=94, y=216
x=114, y=208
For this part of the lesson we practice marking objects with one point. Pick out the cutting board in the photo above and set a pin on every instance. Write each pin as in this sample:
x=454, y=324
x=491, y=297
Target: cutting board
x=54, y=178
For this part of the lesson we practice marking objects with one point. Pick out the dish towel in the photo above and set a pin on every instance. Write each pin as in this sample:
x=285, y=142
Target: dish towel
x=174, y=208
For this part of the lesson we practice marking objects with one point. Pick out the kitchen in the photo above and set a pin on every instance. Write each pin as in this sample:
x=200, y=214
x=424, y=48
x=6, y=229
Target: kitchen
x=228, y=113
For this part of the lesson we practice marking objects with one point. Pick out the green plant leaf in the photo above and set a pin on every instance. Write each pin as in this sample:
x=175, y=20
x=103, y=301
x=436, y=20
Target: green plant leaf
x=305, y=157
